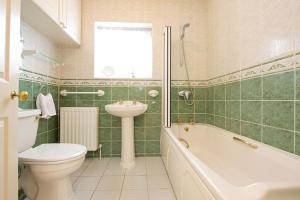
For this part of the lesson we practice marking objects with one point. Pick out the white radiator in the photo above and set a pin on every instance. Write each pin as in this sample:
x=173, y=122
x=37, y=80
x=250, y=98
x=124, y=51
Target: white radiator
x=79, y=125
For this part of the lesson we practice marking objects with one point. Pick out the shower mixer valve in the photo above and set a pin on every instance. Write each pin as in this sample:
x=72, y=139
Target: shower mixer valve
x=185, y=93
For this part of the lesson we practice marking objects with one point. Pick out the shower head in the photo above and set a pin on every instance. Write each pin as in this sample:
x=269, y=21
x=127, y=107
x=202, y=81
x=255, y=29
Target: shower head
x=183, y=30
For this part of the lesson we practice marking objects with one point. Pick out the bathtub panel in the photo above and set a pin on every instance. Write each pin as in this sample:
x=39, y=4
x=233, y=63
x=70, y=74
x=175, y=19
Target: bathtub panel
x=186, y=184
x=293, y=194
x=175, y=170
x=164, y=148
x=193, y=189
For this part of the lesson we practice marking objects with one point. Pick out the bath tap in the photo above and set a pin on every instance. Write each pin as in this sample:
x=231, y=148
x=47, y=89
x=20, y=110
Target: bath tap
x=192, y=121
x=186, y=129
x=187, y=145
x=179, y=121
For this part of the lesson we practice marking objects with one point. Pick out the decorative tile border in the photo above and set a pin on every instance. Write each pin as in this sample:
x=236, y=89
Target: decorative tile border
x=36, y=77
x=112, y=83
x=117, y=83
x=68, y=82
x=191, y=83
x=251, y=72
x=276, y=66
x=232, y=77
x=216, y=81
x=154, y=83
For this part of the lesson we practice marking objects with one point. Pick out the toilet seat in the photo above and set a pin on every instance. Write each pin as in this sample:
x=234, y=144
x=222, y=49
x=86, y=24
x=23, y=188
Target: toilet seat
x=52, y=153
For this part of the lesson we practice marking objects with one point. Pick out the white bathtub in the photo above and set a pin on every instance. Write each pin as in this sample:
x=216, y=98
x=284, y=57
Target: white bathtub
x=217, y=167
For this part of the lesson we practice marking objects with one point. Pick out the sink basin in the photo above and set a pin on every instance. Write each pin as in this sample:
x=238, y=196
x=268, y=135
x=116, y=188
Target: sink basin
x=126, y=109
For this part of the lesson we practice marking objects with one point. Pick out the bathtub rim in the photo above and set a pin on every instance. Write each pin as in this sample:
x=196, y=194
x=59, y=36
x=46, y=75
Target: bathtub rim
x=260, y=144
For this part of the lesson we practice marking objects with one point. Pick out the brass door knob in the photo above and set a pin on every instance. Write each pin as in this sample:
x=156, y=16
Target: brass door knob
x=23, y=95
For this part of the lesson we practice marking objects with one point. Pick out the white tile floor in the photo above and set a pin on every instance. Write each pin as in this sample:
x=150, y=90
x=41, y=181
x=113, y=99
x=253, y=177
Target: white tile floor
x=106, y=180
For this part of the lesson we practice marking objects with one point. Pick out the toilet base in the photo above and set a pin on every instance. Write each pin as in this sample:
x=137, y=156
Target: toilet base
x=49, y=181
x=58, y=190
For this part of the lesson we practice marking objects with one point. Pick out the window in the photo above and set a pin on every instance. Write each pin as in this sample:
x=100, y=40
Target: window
x=123, y=50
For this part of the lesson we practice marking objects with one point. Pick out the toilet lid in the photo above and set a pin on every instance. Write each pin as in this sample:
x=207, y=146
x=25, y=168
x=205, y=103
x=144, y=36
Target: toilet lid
x=53, y=152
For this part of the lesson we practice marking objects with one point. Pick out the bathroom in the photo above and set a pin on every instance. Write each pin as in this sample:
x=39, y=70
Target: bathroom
x=149, y=99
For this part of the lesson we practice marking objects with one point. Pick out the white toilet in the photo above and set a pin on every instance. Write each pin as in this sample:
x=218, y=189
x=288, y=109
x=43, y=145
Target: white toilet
x=48, y=167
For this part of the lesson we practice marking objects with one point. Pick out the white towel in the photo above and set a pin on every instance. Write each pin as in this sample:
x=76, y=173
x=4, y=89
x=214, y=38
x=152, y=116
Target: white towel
x=51, y=105
x=46, y=105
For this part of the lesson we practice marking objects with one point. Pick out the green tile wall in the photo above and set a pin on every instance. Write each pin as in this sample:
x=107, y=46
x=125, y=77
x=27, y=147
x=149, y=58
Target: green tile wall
x=48, y=130
x=184, y=112
x=146, y=126
x=265, y=108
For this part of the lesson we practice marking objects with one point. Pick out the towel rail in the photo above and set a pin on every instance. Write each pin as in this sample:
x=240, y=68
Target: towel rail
x=65, y=93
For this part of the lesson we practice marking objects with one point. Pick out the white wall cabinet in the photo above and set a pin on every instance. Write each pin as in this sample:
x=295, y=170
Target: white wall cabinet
x=60, y=20
x=50, y=7
x=71, y=18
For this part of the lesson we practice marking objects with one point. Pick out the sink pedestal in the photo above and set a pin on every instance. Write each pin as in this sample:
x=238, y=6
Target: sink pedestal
x=127, y=110
x=128, y=156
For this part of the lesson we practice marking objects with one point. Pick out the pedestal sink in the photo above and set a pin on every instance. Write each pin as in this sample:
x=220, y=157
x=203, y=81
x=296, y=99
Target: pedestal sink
x=127, y=110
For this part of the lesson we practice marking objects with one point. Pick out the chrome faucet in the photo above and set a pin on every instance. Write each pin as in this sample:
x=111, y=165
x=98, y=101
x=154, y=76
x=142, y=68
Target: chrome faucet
x=179, y=121
x=191, y=121
x=186, y=94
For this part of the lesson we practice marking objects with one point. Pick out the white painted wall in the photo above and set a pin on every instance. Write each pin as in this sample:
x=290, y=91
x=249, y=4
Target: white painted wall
x=35, y=40
x=242, y=33
x=224, y=36
x=79, y=63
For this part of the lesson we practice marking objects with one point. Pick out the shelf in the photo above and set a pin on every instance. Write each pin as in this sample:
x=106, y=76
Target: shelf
x=41, y=55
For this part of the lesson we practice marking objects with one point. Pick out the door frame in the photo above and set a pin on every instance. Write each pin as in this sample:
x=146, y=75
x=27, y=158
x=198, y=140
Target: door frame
x=8, y=108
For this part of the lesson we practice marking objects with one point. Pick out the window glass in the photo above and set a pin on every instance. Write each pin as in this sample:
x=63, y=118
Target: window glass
x=123, y=50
